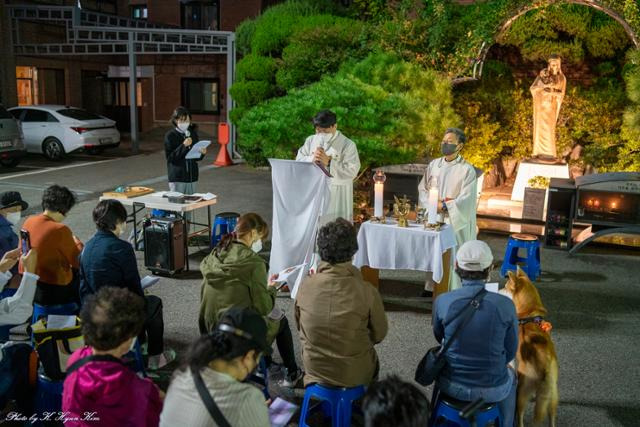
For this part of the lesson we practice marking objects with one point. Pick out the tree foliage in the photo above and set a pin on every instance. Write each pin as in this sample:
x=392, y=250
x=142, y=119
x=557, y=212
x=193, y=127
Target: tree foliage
x=393, y=111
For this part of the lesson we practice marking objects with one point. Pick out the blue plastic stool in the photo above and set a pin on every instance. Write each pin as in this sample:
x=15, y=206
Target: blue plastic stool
x=261, y=377
x=531, y=261
x=135, y=359
x=339, y=399
x=48, y=396
x=159, y=213
x=39, y=311
x=447, y=414
x=224, y=223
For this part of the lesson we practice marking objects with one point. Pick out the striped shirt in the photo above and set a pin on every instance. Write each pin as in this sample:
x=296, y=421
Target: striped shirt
x=241, y=404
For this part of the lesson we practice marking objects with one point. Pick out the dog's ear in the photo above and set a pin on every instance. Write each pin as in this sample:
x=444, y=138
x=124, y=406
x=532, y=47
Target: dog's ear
x=520, y=272
x=512, y=276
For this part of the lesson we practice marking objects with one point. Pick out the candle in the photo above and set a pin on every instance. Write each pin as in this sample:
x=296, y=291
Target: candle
x=378, y=190
x=432, y=206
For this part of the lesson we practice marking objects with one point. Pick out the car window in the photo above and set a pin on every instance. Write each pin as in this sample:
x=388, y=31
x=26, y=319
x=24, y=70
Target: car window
x=17, y=113
x=4, y=114
x=78, y=114
x=38, y=116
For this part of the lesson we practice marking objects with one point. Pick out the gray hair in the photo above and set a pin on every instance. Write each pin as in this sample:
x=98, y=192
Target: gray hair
x=459, y=133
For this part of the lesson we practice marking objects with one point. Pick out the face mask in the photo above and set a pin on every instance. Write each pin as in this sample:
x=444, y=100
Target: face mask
x=184, y=126
x=257, y=246
x=13, y=217
x=326, y=137
x=119, y=231
x=448, y=149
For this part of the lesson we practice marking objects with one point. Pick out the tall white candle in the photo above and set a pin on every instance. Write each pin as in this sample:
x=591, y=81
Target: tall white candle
x=432, y=208
x=377, y=206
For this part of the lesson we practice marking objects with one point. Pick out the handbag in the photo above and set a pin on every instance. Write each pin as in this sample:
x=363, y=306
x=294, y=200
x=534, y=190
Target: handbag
x=433, y=362
x=55, y=346
x=208, y=401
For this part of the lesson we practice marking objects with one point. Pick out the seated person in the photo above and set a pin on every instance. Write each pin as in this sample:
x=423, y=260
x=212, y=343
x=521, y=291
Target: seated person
x=340, y=317
x=58, y=249
x=17, y=308
x=111, y=320
x=14, y=310
x=108, y=260
x=224, y=358
x=11, y=204
x=235, y=275
x=393, y=402
x=477, y=359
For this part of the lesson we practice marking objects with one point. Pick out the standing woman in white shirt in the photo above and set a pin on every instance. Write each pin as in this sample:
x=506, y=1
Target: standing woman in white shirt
x=222, y=360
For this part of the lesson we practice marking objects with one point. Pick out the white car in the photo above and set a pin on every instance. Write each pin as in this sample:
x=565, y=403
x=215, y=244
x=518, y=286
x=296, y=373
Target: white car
x=56, y=130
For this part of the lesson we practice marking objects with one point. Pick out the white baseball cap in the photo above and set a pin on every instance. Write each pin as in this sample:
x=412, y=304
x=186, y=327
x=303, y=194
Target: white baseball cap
x=474, y=255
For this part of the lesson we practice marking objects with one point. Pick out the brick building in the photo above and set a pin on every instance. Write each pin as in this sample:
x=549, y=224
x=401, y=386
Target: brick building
x=41, y=73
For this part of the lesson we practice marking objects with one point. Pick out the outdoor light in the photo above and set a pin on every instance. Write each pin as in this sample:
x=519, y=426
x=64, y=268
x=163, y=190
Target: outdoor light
x=614, y=204
x=596, y=203
x=378, y=188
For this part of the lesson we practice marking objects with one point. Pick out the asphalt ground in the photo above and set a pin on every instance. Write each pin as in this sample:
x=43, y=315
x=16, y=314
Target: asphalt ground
x=592, y=297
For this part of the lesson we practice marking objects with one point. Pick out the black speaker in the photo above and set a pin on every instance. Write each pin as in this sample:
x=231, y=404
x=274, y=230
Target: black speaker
x=164, y=245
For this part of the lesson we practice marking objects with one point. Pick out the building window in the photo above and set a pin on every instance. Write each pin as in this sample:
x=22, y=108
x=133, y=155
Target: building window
x=200, y=96
x=201, y=15
x=139, y=11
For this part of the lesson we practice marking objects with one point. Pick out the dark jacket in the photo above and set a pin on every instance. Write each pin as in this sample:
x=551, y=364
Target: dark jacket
x=180, y=169
x=479, y=355
x=8, y=239
x=108, y=261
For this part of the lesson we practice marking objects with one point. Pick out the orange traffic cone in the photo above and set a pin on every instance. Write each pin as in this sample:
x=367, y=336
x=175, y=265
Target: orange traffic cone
x=223, y=158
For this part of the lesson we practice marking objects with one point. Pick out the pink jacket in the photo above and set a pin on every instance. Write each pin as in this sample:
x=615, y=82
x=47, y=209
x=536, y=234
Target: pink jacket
x=110, y=392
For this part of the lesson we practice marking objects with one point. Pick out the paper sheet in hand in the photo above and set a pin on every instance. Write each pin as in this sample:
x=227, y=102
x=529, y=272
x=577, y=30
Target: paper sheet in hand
x=56, y=321
x=195, y=153
x=284, y=274
x=280, y=412
x=148, y=281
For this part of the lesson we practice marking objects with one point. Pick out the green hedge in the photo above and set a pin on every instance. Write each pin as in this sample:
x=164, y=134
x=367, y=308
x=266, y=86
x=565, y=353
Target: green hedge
x=389, y=122
x=279, y=22
x=320, y=49
x=249, y=92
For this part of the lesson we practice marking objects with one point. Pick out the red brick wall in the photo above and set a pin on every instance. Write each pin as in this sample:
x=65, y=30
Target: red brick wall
x=164, y=11
x=233, y=12
x=169, y=72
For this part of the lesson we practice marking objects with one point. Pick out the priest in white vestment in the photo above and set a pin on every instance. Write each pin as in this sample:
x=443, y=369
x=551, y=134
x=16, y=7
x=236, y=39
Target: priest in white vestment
x=339, y=155
x=456, y=180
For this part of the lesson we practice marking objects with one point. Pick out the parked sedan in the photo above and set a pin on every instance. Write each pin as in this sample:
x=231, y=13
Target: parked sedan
x=56, y=130
x=11, y=144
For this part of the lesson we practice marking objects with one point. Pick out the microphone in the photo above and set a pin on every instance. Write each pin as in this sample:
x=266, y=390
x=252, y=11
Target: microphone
x=187, y=133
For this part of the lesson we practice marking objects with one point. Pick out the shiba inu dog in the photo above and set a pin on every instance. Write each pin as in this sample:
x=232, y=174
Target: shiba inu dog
x=537, y=363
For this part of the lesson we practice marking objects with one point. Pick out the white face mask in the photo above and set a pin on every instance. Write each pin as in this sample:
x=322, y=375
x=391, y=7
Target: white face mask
x=326, y=137
x=183, y=126
x=119, y=231
x=13, y=217
x=256, y=246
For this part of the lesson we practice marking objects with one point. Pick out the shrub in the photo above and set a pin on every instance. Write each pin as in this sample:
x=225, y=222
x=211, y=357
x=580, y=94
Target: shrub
x=244, y=33
x=388, y=126
x=255, y=67
x=250, y=92
x=320, y=49
x=279, y=22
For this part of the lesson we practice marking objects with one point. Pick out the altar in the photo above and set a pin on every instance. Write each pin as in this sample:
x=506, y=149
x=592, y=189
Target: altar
x=389, y=247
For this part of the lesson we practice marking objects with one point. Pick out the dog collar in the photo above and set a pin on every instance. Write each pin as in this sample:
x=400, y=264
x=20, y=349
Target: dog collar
x=538, y=320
